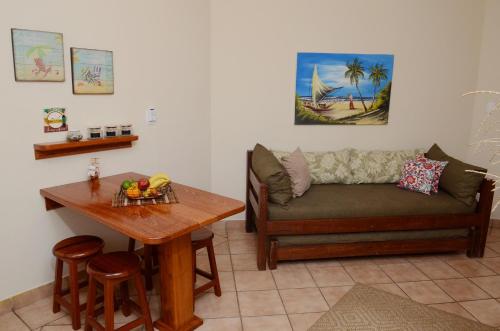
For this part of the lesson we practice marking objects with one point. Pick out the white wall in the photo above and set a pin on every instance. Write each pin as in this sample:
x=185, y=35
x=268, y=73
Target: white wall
x=161, y=58
x=253, y=57
x=488, y=79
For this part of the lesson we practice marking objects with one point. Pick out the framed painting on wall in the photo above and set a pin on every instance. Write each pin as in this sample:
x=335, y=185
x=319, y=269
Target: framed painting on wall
x=38, y=56
x=345, y=89
x=92, y=71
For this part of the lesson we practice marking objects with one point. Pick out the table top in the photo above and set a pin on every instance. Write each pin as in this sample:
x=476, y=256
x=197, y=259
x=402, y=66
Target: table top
x=152, y=224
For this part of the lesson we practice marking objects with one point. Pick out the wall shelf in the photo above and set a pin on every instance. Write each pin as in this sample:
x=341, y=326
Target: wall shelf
x=65, y=148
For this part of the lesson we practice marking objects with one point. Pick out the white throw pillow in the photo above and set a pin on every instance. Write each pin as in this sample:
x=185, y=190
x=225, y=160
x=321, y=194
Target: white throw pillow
x=298, y=170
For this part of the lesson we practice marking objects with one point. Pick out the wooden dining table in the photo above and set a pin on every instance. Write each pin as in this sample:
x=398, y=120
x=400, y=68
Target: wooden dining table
x=167, y=225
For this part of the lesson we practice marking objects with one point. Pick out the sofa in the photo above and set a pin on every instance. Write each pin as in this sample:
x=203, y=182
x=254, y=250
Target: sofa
x=349, y=212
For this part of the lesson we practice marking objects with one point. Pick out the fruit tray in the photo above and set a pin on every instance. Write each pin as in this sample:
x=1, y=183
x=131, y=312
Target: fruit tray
x=160, y=191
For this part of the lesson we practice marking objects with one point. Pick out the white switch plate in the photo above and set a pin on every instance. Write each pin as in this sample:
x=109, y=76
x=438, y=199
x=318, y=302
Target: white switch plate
x=151, y=116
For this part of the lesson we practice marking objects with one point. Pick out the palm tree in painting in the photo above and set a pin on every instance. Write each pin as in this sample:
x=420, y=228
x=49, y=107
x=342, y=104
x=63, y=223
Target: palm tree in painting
x=355, y=72
x=378, y=73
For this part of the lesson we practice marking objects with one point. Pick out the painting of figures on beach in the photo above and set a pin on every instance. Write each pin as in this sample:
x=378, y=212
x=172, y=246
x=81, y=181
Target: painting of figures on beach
x=92, y=71
x=38, y=56
x=343, y=88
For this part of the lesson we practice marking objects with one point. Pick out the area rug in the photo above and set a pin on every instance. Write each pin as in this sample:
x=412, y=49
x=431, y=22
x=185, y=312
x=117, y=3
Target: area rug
x=364, y=308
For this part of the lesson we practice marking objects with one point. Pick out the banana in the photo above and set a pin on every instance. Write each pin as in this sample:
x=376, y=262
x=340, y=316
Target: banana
x=158, y=180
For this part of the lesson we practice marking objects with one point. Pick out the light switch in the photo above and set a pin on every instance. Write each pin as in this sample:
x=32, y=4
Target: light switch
x=151, y=116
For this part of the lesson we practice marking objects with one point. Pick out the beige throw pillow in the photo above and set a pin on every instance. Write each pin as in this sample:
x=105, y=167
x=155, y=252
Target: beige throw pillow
x=298, y=170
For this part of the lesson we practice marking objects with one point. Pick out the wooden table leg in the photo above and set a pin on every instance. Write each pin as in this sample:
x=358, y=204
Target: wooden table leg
x=176, y=289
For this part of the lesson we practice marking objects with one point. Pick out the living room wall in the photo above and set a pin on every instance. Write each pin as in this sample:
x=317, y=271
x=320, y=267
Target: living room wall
x=253, y=57
x=161, y=53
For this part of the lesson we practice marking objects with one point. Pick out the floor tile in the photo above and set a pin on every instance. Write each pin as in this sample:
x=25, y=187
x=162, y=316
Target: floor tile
x=210, y=306
x=356, y=260
x=254, y=280
x=10, y=322
x=421, y=258
x=461, y=289
x=485, y=311
x=221, y=324
x=367, y=274
x=247, y=262
x=243, y=246
x=304, y=300
x=453, y=308
x=391, y=288
x=266, y=323
x=334, y=294
x=223, y=262
x=302, y=322
x=226, y=280
x=389, y=260
x=470, y=268
x=323, y=263
x=330, y=276
x=494, y=246
x=219, y=249
x=39, y=313
x=492, y=263
x=260, y=303
x=235, y=227
x=490, y=253
x=292, y=276
x=437, y=270
x=490, y=284
x=63, y=327
x=425, y=292
x=403, y=272
x=219, y=228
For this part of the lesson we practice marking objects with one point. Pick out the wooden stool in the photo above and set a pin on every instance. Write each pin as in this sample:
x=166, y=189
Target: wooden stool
x=73, y=251
x=112, y=269
x=200, y=239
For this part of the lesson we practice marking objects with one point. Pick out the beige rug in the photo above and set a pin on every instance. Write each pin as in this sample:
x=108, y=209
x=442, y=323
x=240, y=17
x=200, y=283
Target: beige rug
x=366, y=308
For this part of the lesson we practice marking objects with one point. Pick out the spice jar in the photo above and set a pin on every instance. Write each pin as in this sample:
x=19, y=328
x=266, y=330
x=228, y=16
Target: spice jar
x=126, y=129
x=111, y=131
x=95, y=132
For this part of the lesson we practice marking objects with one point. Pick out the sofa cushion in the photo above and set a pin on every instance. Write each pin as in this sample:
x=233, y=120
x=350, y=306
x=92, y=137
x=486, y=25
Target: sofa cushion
x=298, y=170
x=455, y=179
x=417, y=176
x=439, y=166
x=366, y=200
x=369, y=167
x=326, y=167
x=345, y=238
x=270, y=171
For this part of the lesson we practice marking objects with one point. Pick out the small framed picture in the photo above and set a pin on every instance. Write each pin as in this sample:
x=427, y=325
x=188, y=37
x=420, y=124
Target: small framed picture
x=38, y=56
x=55, y=120
x=92, y=71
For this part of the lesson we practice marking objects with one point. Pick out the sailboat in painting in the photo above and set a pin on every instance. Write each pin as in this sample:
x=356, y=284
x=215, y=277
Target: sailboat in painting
x=319, y=90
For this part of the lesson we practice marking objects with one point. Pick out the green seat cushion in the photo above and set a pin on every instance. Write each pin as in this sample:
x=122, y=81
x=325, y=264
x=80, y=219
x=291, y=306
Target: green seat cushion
x=365, y=200
x=455, y=179
x=345, y=238
x=270, y=171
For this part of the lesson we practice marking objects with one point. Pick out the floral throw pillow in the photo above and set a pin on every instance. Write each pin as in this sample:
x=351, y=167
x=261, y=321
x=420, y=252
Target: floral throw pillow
x=439, y=168
x=417, y=176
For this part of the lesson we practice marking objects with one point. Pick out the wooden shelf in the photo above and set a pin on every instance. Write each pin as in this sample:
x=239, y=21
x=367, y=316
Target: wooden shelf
x=65, y=148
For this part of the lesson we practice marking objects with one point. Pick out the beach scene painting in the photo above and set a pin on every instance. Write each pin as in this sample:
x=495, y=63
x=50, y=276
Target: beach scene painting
x=38, y=56
x=343, y=89
x=92, y=71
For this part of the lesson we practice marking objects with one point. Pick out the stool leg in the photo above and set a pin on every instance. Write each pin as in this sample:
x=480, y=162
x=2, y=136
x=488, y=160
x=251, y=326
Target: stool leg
x=90, y=303
x=143, y=302
x=56, y=306
x=125, y=298
x=75, y=300
x=131, y=245
x=109, y=307
x=148, y=266
x=213, y=269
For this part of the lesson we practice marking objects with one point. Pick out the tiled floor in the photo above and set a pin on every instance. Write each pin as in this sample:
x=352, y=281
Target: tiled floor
x=295, y=295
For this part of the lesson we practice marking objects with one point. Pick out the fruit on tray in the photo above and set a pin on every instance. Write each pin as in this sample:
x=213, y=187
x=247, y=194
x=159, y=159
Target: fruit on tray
x=158, y=180
x=143, y=184
x=145, y=188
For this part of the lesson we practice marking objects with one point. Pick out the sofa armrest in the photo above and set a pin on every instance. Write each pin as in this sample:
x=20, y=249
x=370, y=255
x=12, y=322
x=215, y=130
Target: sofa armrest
x=486, y=193
x=257, y=193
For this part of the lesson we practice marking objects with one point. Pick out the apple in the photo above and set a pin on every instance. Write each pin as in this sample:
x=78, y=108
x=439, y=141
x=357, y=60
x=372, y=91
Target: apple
x=143, y=184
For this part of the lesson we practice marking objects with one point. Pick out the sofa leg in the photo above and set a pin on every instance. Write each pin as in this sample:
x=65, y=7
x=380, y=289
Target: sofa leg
x=262, y=243
x=248, y=220
x=273, y=255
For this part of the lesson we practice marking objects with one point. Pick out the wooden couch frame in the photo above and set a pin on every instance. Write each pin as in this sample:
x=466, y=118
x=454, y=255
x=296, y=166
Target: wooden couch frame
x=268, y=248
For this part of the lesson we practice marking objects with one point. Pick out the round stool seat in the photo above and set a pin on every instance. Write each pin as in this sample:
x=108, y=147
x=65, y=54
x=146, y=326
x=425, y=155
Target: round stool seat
x=114, y=265
x=78, y=247
x=201, y=235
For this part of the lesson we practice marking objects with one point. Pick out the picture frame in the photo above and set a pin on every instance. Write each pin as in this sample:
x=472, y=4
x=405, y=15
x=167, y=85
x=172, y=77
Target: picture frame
x=92, y=71
x=38, y=56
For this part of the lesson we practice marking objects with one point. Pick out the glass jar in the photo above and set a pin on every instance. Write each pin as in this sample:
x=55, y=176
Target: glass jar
x=110, y=131
x=74, y=136
x=95, y=132
x=126, y=129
